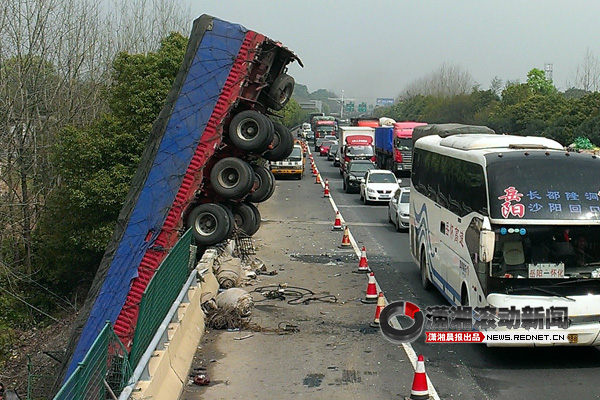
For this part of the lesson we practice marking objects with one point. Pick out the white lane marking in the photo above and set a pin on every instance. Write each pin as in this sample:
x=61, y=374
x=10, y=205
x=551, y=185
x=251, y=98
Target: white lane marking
x=408, y=349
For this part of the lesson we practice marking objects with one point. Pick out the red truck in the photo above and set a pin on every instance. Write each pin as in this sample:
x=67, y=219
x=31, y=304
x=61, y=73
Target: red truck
x=356, y=143
x=323, y=125
x=200, y=169
x=393, y=146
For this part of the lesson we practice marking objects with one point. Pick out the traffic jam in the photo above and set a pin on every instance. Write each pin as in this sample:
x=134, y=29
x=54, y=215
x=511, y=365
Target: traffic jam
x=511, y=258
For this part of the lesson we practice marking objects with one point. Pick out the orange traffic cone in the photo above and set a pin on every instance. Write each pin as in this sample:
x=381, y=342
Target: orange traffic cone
x=363, y=265
x=419, y=390
x=318, y=178
x=314, y=171
x=326, y=190
x=371, y=296
x=380, y=306
x=346, y=239
x=337, y=224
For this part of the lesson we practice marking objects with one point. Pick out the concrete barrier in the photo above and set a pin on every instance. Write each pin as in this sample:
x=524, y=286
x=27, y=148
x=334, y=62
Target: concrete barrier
x=164, y=372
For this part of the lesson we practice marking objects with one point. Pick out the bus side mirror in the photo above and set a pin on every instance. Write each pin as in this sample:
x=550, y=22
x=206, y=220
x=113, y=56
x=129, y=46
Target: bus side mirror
x=487, y=241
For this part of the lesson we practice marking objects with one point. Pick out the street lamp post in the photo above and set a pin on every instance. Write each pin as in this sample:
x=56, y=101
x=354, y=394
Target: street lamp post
x=342, y=102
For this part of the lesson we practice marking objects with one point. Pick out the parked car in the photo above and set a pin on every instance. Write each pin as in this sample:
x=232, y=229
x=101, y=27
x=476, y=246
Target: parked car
x=332, y=150
x=398, y=208
x=355, y=173
x=324, y=149
x=378, y=185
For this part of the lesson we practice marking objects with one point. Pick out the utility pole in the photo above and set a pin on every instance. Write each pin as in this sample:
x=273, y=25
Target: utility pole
x=341, y=100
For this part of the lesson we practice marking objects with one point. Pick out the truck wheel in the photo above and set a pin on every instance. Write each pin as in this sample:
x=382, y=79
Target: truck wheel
x=250, y=130
x=283, y=144
x=247, y=218
x=264, y=181
x=232, y=178
x=244, y=218
x=211, y=223
x=280, y=92
x=257, y=218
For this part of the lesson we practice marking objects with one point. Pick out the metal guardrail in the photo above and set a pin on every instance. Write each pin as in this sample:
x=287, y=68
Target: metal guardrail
x=161, y=292
x=103, y=372
x=107, y=368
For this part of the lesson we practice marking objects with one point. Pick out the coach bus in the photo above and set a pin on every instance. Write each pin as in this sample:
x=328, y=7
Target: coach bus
x=503, y=220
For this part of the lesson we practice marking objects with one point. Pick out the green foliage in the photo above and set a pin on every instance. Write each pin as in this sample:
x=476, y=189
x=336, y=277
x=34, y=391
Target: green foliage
x=532, y=108
x=96, y=164
x=538, y=84
x=292, y=114
x=301, y=92
x=583, y=143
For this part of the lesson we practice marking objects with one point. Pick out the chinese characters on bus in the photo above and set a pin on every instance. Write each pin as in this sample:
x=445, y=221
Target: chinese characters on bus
x=551, y=201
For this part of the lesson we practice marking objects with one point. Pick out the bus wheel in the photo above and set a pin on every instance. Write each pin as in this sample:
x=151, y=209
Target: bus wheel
x=425, y=282
x=464, y=296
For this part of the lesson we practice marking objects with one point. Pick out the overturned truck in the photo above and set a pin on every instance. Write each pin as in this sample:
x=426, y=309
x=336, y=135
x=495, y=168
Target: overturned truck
x=202, y=168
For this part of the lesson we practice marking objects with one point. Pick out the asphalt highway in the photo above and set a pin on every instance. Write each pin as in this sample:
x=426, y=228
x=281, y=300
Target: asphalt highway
x=460, y=370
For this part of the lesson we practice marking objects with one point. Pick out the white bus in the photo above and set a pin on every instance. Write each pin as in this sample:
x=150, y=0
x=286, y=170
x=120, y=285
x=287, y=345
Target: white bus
x=502, y=220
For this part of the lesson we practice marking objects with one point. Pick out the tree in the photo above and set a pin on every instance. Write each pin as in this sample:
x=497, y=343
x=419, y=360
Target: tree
x=538, y=83
x=587, y=74
x=293, y=114
x=448, y=80
x=96, y=164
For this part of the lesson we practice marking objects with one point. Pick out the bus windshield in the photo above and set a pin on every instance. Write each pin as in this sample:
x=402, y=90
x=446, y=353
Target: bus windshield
x=553, y=252
x=542, y=188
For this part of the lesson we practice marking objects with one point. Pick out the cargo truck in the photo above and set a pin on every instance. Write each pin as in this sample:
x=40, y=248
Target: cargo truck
x=202, y=169
x=356, y=143
x=324, y=125
x=393, y=146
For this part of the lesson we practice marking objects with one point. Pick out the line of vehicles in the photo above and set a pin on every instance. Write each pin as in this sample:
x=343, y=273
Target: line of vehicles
x=499, y=221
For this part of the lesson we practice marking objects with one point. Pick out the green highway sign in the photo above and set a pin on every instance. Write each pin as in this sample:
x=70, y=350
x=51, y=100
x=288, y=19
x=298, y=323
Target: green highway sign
x=350, y=107
x=362, y=107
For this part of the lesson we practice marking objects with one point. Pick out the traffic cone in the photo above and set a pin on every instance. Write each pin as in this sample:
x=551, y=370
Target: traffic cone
x=337, y=224
x=346, y=239
x=314, y=170
x=371, y=296
x=419, y=390
x=380, y=306
x=363, y=265
x=326, y=190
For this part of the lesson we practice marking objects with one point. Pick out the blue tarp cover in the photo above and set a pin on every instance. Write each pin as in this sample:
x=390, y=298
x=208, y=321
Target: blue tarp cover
x=161, y=171
x=384, y=138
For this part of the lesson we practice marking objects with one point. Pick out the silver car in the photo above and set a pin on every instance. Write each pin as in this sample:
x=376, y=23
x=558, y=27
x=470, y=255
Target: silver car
x=398, y=208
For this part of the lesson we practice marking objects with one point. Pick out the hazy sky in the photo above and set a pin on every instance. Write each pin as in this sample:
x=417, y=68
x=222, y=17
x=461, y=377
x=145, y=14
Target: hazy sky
x=374, y=48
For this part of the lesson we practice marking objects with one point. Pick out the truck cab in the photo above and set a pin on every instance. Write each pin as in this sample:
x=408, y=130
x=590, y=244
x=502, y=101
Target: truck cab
x=356, y=143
